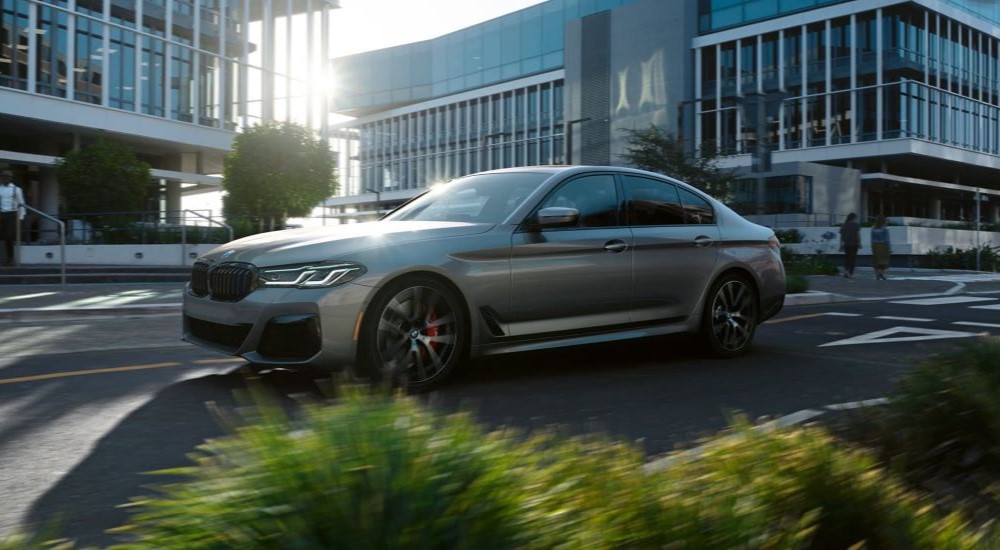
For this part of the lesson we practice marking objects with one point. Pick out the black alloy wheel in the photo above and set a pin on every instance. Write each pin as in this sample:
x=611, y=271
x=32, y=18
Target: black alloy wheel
x=415, y=334
x=730, y=318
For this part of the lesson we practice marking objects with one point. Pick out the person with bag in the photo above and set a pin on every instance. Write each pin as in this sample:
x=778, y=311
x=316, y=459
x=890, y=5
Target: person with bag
x=11, y=212
x=881, y=247
x=850, y=242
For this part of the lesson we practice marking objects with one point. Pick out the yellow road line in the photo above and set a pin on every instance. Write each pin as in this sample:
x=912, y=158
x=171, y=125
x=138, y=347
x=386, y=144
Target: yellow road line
x=795, y=318
x=219, y=361
x=68, y=374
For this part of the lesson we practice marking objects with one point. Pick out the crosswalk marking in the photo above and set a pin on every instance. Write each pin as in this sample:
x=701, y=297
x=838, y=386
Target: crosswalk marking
x=991, y=306
x=944, y=301
x=885, y=336
x=974, y=324
x=908, y=319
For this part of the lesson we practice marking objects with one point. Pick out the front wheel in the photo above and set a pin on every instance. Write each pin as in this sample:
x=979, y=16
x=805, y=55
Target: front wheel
x=414, y=334
x=730, y=318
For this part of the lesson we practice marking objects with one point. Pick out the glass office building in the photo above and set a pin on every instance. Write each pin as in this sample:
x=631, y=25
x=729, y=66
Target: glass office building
x=172, y=78
x=835, y=105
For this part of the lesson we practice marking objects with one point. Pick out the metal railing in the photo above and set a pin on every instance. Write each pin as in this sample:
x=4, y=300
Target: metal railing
x=62, y=241
x=211, y=220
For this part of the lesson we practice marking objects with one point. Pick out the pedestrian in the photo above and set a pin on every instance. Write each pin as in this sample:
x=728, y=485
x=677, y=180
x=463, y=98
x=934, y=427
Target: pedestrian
x=850, y=242
x=11, y=211
x=881, y=247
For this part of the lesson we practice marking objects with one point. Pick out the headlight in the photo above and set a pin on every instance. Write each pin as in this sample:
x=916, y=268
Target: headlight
x=315, y=275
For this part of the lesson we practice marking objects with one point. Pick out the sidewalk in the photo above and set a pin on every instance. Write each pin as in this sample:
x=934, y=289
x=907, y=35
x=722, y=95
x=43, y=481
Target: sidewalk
x=40, y=302
x=901, y=283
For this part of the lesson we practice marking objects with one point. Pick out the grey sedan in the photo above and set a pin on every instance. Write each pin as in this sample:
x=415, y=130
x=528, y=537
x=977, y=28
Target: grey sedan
x=496, y=262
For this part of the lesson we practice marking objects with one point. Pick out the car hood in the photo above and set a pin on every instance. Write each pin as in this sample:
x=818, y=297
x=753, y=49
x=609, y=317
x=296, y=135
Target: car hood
x=334, y=242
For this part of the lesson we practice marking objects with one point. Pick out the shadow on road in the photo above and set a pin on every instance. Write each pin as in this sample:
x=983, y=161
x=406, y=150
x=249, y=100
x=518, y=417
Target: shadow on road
x=620, y=389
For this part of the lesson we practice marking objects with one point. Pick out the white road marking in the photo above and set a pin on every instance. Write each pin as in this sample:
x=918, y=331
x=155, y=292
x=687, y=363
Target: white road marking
x=837, y=314
x=991, y=306
x=944, y=301
x=884, y=336
x=972, y=324
x=909, y=319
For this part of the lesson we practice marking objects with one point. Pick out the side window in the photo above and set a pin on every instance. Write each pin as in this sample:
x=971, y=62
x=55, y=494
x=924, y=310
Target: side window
x=652, y=202
x=594, y=196
x=697, y=211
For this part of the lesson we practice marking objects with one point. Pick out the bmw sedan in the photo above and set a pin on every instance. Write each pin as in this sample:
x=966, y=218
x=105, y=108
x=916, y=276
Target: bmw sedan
x=502, y=261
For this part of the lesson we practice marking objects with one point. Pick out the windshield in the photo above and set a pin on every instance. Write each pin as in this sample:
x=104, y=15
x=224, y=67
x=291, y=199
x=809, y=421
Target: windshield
x=481, y=198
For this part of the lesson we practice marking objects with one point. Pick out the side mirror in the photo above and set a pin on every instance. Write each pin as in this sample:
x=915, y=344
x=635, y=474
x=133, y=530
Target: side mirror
x=557, y=216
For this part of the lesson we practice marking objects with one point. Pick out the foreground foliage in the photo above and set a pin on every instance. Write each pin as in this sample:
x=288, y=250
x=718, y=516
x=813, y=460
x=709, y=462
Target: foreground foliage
x=380, y=472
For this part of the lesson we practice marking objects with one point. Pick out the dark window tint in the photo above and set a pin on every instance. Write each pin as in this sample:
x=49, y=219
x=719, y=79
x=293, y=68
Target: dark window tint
x=594, y=196
x=697, y=211
x=652, y=202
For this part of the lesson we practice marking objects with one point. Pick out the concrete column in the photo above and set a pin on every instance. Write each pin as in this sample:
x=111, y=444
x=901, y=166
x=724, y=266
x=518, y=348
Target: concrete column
x=994, y=211
x=936, y=209
x=48, y=202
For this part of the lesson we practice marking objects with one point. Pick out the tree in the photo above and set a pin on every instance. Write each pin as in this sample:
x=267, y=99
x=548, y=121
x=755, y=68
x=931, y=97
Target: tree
x=103, y=177
x=276, y=171
x=657, y=150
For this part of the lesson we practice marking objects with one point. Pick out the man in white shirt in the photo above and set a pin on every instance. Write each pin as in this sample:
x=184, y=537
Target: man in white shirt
x=11, y=210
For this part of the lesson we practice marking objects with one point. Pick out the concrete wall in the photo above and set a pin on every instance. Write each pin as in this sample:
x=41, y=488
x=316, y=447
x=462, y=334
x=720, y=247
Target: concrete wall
x=116, y=254
x=905, y=240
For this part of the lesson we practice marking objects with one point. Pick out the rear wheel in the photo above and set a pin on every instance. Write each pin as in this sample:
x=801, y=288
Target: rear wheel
x=730, y=318
x=414, y=334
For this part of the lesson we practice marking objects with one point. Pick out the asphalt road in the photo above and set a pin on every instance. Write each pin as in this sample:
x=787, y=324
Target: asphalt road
x=88, y=406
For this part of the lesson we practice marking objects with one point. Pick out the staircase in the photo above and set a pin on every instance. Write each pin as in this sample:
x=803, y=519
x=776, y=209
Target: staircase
x=76, y=274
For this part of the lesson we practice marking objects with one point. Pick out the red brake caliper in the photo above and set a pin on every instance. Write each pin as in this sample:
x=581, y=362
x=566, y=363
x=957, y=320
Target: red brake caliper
x=432, y=331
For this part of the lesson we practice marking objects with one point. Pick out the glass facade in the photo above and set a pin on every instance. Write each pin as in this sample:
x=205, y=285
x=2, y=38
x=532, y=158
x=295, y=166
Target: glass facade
x=782, y=195
x=899, y=72
x=519, y=44
x=714, y=15
x=177, y=59
x=519, y=127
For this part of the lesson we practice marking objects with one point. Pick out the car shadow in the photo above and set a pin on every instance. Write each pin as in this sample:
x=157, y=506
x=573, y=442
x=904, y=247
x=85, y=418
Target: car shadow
x=615, y=389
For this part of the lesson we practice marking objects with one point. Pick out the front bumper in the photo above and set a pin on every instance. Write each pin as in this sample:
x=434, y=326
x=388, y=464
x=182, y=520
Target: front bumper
x=280, y=326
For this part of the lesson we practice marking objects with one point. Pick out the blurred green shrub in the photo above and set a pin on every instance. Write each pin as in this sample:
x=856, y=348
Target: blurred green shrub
x=788, y=236
x=946, y=412
x=795, y=284
x=381, y=472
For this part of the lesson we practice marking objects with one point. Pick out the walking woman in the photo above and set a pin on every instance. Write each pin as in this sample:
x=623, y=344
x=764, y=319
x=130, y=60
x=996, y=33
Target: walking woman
x=881, y=247
x=850, y=242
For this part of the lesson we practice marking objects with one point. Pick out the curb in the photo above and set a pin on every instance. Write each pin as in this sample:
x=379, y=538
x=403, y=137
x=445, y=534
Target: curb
x=56, y=312
x=812, y=297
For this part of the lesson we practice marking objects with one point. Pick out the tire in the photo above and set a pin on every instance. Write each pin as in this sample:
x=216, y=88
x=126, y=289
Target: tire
x=414, y=334
x=730, y=318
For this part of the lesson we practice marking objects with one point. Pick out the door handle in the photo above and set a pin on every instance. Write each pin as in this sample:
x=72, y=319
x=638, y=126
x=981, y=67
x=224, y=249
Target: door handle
x=701, y=241
x=615, y=246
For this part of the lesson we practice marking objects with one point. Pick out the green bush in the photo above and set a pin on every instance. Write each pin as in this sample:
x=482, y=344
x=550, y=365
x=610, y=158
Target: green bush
x=786, y=236
x=365, y=473
x=958, y=258
x=378, y=472
x=801, y=264
x=795, y=284
x=946, y=412
x=799, y=488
